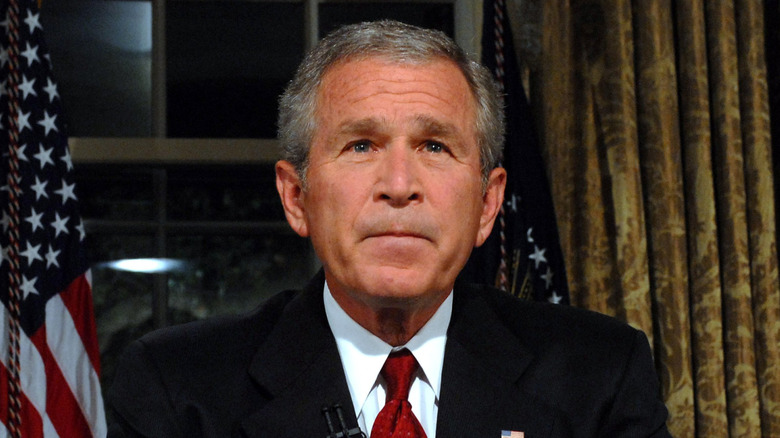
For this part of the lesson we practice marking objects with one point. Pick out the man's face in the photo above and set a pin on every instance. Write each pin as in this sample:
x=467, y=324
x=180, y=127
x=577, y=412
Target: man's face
x=394, y=200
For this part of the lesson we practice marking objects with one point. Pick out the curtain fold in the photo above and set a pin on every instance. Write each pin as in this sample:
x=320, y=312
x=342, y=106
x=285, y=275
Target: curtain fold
x=754, y=107
x=662, y=183
x=741, y=385
x=703, y=255
x=655, y=128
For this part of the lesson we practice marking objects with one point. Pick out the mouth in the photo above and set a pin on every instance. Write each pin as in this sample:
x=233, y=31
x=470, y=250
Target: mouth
x=397, y=229
x=399, y=234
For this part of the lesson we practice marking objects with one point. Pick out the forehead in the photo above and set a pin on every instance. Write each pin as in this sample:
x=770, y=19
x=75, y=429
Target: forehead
x=436, y=88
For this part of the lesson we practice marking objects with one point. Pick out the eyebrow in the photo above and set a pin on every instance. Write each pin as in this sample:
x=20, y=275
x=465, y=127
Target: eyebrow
x=429, y=126
x=424, y=125
x=360, y=126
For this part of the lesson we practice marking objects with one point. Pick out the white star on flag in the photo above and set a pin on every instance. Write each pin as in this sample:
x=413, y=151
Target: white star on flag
x=27, y=87
x=32, y=21
x=28, y=286
x=35, y=220
x=67, y=160
x=23, y=153
x=39, y=188
x=512, y=202
x=66, y=192
x=547, y=277
x=51, y=90
x=44, y=157
x=538, y=256
x=31, y=54
x=59, y=225
x=51, y=257
x=32, y=253
x=24, y=121
x=48, y=122
x=80, y=229
x=5, y=221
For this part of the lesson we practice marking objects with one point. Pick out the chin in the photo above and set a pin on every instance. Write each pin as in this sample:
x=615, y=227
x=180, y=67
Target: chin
x=404, y=301
x=402, y=287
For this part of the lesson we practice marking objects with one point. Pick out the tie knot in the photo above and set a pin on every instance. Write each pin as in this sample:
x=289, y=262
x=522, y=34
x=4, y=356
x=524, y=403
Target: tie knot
x=398, y=371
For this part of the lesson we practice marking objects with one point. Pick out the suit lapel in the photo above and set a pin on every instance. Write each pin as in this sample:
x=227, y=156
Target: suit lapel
x=483, y=362
x=300, y=370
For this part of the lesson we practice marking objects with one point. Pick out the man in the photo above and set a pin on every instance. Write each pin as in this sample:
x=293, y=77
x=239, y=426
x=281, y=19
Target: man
x=392, y=139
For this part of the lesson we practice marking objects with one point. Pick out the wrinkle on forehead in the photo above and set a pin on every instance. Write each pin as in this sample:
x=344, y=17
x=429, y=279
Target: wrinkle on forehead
x=400, y=80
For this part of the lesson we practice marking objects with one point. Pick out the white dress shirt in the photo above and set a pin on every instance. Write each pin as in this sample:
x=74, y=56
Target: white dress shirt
x=363, y=355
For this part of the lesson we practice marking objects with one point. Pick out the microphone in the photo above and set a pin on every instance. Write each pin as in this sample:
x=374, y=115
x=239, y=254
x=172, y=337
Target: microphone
x=344, y=431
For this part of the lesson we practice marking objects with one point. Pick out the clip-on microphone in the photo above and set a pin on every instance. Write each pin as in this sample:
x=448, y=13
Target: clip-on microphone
x=345, y=431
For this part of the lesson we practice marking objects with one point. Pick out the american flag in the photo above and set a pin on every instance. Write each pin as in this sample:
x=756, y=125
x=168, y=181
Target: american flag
x=49, y=378
x=512, y=434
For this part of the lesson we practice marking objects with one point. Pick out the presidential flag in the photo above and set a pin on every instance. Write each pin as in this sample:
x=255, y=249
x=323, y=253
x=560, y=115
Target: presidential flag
x=49, y=375
x=522, y=255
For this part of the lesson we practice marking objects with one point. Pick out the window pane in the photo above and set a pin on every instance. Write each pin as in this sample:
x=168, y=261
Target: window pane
x=234, y=193
x=227, y=64
x=122, y=300
x=101, y=52
x=115, y=193
x=434, y=16
x=233, y=274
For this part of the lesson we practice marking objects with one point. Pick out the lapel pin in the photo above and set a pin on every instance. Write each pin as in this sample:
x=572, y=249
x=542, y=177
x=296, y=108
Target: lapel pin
x=512, y=434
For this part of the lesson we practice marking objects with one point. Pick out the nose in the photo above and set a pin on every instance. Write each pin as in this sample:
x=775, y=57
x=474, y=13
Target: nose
x=398, y=183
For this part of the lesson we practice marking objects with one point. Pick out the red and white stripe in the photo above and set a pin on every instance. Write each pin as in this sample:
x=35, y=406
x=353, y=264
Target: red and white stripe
x=59, y=370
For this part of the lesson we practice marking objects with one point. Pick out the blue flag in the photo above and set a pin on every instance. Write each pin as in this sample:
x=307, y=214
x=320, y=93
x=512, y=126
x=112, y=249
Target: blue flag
x=523, y=255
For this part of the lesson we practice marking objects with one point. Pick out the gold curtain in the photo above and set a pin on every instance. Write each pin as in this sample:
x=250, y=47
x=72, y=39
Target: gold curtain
x=654, y=122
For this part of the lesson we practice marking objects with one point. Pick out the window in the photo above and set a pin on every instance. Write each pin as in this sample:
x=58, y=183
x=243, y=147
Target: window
x=226, y=64
x=202, y=68
x=102, y=57
x=171, y=107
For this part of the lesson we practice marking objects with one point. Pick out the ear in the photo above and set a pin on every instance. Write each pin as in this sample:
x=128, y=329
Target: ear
x=491, y=203
x=291, y=191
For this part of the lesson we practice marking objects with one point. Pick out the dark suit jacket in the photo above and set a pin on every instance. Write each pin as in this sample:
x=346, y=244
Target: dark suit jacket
x=546, y=370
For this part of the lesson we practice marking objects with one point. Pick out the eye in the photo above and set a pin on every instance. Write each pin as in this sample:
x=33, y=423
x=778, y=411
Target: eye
x=361, y=146
x=434, y=147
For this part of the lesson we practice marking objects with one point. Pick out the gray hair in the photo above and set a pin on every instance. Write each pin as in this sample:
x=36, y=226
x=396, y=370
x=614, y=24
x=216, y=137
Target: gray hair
x=398, y=43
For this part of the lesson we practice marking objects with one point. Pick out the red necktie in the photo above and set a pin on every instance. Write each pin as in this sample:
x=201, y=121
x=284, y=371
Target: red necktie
x=396, y=419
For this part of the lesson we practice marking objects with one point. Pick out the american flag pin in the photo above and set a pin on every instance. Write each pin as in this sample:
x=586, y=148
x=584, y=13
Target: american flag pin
x=512, y=434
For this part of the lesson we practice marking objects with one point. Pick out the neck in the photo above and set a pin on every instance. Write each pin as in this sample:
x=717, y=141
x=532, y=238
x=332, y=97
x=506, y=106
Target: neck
x=393, y=321
x=395, y=326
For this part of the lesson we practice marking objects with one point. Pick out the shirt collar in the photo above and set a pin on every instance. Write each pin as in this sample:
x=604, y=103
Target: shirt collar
x=363, y=354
